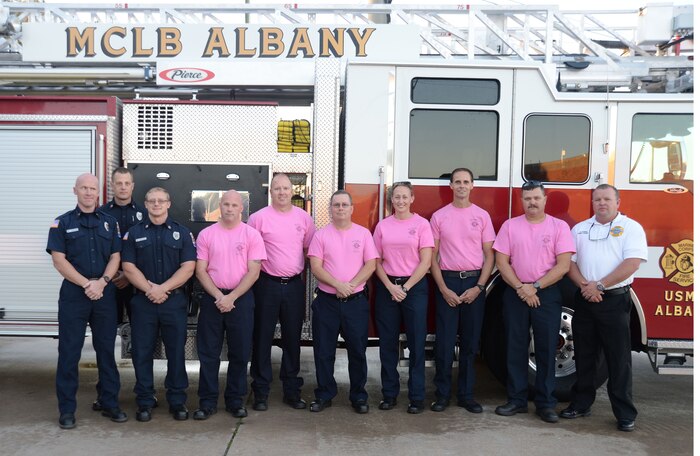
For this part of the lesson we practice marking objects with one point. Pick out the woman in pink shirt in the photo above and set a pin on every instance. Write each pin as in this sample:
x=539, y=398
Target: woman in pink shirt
x=405, y=245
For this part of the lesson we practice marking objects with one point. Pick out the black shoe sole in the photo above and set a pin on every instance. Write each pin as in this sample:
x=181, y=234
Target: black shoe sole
x=511, y=412
x=573, y=417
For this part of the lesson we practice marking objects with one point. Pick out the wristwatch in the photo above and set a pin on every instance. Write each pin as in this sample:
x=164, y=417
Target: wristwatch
x=480, y=287
x=536, y=285
x=599, y=285
x=404, y=289
x=106, y=278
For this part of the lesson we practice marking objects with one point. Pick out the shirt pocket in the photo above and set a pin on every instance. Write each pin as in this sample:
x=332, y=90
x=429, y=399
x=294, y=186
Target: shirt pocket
x=76, y=239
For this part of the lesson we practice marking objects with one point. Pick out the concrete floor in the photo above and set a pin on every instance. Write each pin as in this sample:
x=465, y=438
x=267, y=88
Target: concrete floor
x=28, y=422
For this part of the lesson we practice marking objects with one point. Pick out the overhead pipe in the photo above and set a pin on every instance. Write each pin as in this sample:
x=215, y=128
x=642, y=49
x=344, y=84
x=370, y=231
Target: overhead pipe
x=58, y=75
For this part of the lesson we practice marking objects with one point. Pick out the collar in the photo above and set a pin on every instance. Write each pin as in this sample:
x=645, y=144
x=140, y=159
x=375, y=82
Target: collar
x=168, y=224
x=113, y=203
x=78, y=212
x=617, y=219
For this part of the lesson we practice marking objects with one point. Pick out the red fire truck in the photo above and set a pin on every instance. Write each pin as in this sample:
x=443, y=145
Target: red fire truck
x=386, y=103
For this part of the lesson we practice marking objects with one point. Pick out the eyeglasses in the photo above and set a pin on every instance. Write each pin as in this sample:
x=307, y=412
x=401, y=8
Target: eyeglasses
x=601, y=236
x=532, y=184
x=157, y=201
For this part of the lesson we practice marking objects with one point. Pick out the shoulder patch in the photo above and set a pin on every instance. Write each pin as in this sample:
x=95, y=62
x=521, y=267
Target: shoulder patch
x=55, y=224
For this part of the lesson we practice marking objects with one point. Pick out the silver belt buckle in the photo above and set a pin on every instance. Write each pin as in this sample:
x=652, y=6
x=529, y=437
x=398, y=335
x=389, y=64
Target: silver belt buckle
x=463, y=274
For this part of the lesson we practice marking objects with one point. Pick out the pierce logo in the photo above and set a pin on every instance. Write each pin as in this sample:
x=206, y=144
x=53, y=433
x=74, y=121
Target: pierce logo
x=186, y=75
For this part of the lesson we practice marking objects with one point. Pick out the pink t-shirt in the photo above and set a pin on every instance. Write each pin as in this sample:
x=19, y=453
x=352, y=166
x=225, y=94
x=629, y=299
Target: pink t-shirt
x=399, y=242
x=462, y=232
x=533, y=247
x=286, y=235
x=228, y=252
x=344, y=252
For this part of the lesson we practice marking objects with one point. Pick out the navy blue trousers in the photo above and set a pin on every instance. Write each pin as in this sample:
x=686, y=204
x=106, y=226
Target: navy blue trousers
x=388, y=315
x=168, y=319
x=330, y=317
x=238, y=327
x=464, y=320
x=284, y=302
x=545, y=321
x=75, y=311
x=604, y=325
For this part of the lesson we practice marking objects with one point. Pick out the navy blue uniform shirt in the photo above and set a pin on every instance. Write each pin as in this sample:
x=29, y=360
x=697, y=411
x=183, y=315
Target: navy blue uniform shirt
x=127, y=216
x=158, y=250
x=87, y=240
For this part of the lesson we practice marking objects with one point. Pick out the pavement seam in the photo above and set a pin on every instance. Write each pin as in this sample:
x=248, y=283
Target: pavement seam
x=233, y=436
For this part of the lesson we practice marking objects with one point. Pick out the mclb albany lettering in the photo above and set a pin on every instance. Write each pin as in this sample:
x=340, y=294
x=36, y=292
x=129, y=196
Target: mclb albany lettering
x=221, y=42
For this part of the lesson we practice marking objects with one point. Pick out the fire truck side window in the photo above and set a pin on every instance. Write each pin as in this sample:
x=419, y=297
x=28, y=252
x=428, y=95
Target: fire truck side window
x=455, y=91
x=557, y=148
x=662, y=148
x=441, y=140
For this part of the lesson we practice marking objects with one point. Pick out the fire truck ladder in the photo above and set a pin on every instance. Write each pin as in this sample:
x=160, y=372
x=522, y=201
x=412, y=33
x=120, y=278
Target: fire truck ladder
x=588, y=54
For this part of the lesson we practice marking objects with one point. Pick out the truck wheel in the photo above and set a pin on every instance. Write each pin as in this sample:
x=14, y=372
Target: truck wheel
x=493, y=348
x=564, y=364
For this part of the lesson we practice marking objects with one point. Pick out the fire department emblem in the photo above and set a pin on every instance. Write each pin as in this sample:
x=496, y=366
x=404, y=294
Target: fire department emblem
x=616, y=231
x=677, y=262
x=546, y=239
x=412, y=231
x=356, y=244
x=176, y=235
x=139, y=216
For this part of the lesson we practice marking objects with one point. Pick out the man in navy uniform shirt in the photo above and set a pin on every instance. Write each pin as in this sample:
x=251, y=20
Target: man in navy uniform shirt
x=84, y=245
x=128, y=213
x=159, y=258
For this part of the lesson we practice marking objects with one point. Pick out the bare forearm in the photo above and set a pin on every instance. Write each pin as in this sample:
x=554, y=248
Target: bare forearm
x=136, y=277
x=506, y=270
x=181, y=276
x=365, y=272
x=246, y=282
x=622, y=272
x=205, y=280
x=113, y=265
x=421, y=270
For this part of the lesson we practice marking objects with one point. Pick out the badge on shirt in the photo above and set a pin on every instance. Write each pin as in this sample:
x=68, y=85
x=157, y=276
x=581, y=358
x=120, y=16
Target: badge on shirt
x=139, y=216
x=617, y=231
x=176, y=235
x=141, y=239
x=72, y=230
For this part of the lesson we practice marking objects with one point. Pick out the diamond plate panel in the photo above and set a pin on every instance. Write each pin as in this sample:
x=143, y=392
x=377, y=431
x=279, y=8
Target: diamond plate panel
x=208, y=133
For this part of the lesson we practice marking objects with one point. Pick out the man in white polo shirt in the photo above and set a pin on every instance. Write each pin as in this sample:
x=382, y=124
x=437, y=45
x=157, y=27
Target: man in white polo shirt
x=610, y=248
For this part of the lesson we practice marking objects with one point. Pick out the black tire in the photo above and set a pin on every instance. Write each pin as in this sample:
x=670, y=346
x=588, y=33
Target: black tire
x=493, y=344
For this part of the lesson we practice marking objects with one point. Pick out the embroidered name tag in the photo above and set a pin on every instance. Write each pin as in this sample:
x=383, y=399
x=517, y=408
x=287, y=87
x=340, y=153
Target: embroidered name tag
x=72, y=230
x=140, y=239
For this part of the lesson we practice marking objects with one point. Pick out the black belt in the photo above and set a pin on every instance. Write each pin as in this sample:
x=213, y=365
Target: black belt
x=617, y=291
x=331, y=295
x=282, y=280
x=462, y=274
x=172, y=292
x=396, y=280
